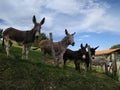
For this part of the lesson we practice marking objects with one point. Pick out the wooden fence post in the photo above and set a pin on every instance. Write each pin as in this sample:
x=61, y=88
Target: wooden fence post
x=114, y=69
x=89, y=52
x=52, y=47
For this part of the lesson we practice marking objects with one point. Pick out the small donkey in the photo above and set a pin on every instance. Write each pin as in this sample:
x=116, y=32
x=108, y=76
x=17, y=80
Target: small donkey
x=76, y=56
x=59, y=47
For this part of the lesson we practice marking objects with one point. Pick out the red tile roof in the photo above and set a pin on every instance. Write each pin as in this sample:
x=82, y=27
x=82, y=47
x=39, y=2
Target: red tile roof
x=106, y=51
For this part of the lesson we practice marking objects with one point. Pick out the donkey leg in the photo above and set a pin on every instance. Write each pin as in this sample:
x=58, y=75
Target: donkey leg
x=57, y=61
x=23, y=51
x=27, y=52
x=43, y=56
x=86, y=64
x=61, y=60
x=65, y=62
x=75, y=65
x=78, y=65
x=8, y=48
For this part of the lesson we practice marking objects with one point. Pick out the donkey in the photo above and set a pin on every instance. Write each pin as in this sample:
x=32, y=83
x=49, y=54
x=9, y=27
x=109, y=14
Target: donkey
x=59, y=47
x=24, y=37
x=92, y=52
x=100, y=61
x=76, y=56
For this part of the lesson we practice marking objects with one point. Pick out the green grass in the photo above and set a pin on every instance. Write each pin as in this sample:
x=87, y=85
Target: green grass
x=32, y=74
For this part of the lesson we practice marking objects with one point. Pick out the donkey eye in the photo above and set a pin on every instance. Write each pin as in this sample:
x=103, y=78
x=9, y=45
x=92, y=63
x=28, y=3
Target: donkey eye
x=69, y=40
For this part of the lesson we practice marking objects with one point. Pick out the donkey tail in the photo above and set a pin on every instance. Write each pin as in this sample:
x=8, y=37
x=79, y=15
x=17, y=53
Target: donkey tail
x=35, y=48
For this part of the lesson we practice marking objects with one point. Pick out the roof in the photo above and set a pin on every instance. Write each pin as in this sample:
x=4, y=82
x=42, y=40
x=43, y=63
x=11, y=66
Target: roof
x=107, y=51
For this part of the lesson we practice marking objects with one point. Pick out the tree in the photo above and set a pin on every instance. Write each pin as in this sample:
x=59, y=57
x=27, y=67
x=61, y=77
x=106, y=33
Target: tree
x=115, y=46
x=1, y=30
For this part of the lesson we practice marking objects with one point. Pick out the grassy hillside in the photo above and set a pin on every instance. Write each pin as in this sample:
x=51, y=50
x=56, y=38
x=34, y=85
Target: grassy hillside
x=32, y=74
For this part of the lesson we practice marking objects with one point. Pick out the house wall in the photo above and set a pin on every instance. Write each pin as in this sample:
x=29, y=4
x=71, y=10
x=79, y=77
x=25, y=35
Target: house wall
x=118, y=56
x=110, y=57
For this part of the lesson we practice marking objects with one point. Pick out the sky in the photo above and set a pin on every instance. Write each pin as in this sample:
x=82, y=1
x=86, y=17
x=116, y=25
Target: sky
x=96, y=22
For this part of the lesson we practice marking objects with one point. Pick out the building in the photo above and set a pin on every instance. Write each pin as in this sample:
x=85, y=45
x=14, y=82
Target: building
x=111, y=55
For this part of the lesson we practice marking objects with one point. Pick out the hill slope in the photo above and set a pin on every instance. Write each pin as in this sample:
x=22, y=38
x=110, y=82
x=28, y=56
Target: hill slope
x=17, y=74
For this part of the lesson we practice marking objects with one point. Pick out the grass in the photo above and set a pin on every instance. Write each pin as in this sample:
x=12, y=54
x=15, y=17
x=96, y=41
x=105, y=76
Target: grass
x=32, y=74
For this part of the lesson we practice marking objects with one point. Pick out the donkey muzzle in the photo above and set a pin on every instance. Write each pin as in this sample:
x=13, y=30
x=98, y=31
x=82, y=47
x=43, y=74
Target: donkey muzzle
x=93, y=57
x=37, y=34
x=83, y=56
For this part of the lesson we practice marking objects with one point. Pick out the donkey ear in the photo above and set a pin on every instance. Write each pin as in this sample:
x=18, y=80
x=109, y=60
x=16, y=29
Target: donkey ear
x=34, y=19
x=42, y=21
x=96, y=47
x=73, y=33
x=66, y=32
x=81, y=45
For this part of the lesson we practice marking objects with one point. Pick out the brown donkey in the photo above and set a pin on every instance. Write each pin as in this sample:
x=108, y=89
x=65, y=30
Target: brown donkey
x=59, y=47
x=24, y=37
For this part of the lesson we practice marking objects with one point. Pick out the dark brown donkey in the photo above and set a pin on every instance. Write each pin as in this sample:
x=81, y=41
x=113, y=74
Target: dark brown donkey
x=76, y=56
x=24, y=37
x=59, y=47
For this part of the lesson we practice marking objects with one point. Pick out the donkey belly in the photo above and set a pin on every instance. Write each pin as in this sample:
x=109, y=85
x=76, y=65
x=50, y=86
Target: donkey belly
x=17, y=39
x=70, y=57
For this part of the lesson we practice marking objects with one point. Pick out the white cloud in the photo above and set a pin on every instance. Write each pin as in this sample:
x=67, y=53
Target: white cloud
x=109, y=23
x=18, y=13
x=63, y=6
x=91, y=18
x=81, y=38
x=75, y=15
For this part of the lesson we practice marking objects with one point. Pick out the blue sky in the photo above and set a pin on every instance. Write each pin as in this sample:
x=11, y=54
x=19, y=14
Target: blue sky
x=96, y=22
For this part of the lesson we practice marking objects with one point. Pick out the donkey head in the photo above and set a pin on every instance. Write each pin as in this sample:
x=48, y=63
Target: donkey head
x=92, y=50
x=83, y=50
x=70, y=38
x=37, y=26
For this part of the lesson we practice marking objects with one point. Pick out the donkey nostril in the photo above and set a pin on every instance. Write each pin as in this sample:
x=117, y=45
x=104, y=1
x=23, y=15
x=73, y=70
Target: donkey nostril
x=93, y=57
x=36, y=37
x=73, y=44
